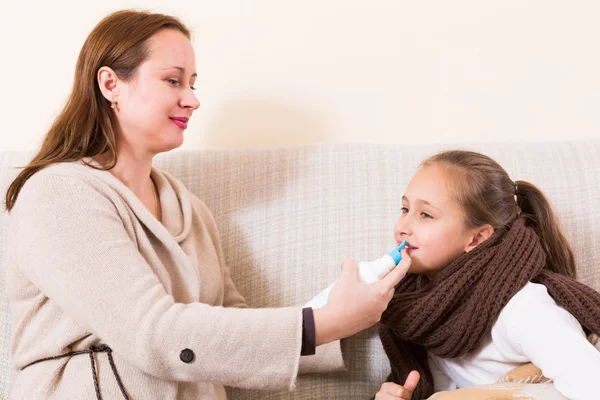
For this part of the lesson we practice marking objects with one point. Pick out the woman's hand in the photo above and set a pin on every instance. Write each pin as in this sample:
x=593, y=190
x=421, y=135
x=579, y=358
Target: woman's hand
x=354, y=305
x=393, y=391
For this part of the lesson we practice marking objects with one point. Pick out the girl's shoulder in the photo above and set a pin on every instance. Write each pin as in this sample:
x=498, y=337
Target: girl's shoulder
x=532, y=313
x=531, y=305
x=529, y=296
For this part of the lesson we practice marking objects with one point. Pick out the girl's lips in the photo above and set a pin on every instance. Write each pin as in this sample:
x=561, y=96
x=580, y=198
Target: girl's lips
x=410, y=248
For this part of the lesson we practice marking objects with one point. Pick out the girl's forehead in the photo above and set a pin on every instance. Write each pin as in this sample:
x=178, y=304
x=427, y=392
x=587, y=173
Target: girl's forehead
x=431, y=184
x=431, y=178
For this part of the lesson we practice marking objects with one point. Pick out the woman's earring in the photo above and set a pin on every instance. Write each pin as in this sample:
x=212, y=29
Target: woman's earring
x=113, y=104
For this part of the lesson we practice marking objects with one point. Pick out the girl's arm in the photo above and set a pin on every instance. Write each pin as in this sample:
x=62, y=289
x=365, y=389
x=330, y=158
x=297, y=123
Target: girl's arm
x=537, y=329
x=441, y=381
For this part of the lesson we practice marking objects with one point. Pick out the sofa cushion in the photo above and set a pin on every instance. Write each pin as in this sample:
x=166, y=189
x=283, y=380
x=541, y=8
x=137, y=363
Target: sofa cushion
x=289, y=216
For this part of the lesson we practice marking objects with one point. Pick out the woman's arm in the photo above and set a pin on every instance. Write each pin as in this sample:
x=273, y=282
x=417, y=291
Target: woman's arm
x=231, y=296
x=70, y=241
x=325, y=358
x=72, y=245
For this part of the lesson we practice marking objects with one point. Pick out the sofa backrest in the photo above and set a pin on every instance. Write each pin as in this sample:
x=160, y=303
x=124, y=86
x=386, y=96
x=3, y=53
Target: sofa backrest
x=289, y=216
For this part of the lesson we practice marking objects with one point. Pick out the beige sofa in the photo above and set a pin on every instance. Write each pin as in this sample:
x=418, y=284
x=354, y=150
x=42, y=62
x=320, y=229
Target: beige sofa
x=289, y=216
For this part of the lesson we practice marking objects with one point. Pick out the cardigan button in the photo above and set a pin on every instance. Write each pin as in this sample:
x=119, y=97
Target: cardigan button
x=187, y=356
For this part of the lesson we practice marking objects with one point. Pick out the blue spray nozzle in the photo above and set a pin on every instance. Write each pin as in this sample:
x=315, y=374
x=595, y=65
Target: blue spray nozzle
x=395, y=254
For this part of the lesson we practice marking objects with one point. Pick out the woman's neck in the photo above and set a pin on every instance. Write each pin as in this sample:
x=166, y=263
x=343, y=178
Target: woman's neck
x=134, y=171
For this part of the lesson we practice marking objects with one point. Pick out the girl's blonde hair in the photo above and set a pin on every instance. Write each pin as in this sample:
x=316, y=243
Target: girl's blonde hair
x=487, y=196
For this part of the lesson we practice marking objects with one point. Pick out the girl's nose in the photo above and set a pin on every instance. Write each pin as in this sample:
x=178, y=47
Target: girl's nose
x=402, y=228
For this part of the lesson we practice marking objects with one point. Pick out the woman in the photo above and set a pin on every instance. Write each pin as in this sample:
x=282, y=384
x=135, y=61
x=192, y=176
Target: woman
x=115, y=273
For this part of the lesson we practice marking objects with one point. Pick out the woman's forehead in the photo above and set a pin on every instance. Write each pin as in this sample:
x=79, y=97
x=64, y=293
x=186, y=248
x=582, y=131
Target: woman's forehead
x=171, y=48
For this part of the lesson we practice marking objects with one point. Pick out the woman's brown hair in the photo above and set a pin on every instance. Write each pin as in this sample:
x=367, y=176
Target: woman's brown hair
x=86, y=126
x=487, y=195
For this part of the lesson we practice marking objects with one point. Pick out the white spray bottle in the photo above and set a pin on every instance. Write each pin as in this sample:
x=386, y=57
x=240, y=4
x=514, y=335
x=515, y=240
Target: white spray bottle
x=369, y=272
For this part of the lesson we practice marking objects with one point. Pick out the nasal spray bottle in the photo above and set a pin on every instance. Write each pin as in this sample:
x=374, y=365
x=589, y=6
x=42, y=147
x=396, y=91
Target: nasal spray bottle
x=369, y=272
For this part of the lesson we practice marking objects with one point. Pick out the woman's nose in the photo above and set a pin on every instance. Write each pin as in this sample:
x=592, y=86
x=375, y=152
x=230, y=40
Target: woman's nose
x=189, y=100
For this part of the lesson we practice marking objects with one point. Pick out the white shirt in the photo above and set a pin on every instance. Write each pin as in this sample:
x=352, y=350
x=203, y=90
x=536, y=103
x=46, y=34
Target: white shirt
x=530, y=328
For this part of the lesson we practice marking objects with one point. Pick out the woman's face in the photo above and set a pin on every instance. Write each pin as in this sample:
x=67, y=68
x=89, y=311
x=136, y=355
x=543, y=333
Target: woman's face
x=153, y=108
x=432, y=222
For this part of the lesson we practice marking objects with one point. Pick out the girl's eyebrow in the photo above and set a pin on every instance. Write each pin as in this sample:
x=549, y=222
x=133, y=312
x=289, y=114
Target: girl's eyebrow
x=422, y=201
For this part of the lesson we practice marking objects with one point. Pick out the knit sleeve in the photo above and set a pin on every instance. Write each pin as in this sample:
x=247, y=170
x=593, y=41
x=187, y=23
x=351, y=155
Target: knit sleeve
x=72, y=245
x=231, y=296
x=550, y=337
x=325, y=358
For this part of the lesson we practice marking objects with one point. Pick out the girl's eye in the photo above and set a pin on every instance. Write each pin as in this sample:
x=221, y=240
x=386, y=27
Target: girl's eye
x=404, y=210
x=425, y=215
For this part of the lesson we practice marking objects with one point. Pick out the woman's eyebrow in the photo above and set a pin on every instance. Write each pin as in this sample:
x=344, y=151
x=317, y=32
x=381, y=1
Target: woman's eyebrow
x=181, y=69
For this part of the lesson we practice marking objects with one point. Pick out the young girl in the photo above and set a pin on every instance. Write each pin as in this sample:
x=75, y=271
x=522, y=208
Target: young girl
x=491, y=286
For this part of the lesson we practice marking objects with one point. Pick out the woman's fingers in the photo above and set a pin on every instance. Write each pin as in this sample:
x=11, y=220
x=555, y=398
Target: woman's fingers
x=349, y=270
x=395, y=276
x=354, y=305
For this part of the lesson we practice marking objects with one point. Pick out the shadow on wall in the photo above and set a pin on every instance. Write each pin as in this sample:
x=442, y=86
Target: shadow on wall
x=252, y=123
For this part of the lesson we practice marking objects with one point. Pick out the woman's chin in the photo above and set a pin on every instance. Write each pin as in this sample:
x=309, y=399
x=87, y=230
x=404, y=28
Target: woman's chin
x=172, y=144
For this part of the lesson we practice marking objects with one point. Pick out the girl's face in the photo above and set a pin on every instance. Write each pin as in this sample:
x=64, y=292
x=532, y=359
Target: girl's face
x=432, y=222
x=154, y=107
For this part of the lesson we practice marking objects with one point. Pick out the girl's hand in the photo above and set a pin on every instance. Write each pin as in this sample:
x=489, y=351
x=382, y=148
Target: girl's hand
x=393, y=391
x=354, y=305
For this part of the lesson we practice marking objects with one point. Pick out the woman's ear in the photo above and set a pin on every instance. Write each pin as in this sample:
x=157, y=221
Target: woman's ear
x=479, y=236
x=108, y=83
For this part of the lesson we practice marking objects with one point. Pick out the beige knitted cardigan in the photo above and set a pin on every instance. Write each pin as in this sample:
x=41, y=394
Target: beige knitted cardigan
x=87, y=263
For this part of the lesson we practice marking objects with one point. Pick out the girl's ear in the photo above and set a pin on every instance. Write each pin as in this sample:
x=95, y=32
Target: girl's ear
x=479, y=236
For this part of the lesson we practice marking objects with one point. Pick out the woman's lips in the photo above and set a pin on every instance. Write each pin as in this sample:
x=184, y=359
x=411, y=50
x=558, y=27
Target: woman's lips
x=180, y=122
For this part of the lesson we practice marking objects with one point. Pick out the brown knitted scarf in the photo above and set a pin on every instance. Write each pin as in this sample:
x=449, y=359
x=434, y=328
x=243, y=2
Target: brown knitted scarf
x=450, y=314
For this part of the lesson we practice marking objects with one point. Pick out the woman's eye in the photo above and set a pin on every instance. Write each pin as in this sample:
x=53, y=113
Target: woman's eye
x=193, y=87
x=173, y=82
x=404, y=210
x=425, y=215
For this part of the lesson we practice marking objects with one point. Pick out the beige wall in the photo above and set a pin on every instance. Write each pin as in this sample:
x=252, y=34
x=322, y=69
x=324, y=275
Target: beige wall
x=277, y=72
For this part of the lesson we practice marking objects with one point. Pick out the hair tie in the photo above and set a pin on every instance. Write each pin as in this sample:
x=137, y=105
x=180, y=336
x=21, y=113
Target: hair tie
x=516, y=187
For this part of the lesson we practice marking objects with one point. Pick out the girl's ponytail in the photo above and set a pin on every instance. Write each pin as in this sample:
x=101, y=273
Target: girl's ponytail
x=539, y=214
